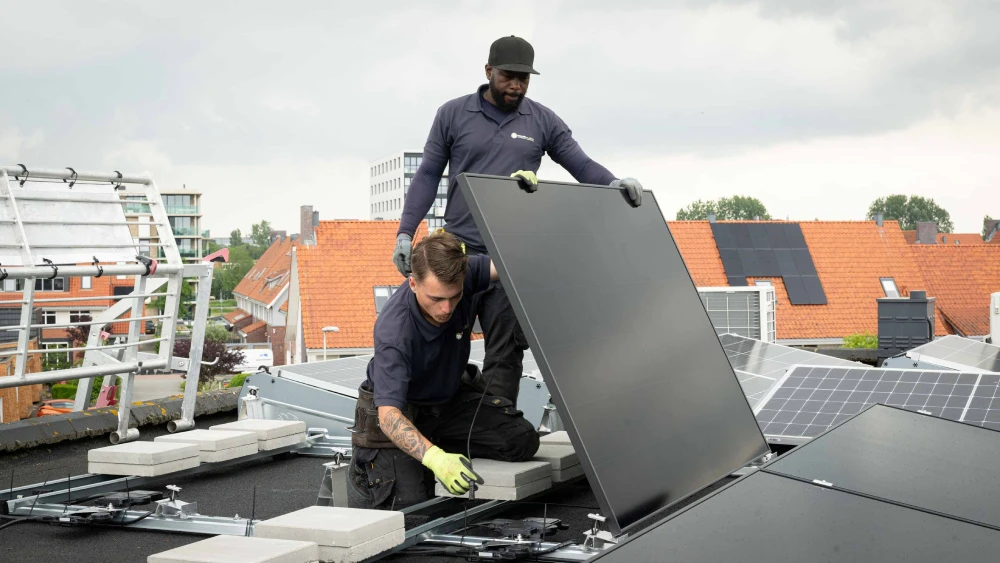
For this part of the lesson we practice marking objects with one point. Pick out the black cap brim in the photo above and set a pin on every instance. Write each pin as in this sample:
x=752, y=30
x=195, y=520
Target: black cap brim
x=517, y=68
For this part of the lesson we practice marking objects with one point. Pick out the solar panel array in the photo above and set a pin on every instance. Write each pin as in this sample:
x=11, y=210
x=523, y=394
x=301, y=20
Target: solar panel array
x=769, y=250
x=772, y=360
x=962, y=351
x=809, y=400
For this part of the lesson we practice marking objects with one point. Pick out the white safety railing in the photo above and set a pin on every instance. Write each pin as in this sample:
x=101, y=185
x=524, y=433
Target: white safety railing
x=61, y=223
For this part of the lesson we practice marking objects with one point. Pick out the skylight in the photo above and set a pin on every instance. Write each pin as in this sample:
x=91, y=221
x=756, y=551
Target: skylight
x=889, y=287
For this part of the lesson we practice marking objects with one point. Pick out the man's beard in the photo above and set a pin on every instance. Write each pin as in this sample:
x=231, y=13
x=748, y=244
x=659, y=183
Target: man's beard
x=501, y=102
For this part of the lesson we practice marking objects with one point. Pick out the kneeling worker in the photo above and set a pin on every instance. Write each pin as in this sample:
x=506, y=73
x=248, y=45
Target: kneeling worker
x=415, y=410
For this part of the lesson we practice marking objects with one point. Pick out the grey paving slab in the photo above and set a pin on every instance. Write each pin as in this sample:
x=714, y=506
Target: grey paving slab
x=211, y=440
x=142, y=453
x=228, y=454
x=565, y=474
x=128, y=469
x=510, y=474
x=558, y=456
x=331, y=525
x=275, y=443
x=239, y=549
x=265, y=429
x=501, y=493
x=556, y=438
x=362, y=551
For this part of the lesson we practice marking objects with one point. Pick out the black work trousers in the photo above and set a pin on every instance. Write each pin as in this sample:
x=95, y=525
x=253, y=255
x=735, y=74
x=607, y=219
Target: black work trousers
x=390, y=479
x=505, y=341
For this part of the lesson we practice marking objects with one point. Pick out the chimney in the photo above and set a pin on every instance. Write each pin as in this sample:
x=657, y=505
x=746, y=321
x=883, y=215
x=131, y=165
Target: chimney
x=878, y=219
x=991, y=226
x=926, y=232
x=306, y=219
x=711, y=217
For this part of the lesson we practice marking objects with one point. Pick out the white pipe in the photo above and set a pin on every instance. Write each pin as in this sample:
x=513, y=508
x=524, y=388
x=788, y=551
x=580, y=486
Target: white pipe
x=78, y=373
x=66, y=174
x=45, y=272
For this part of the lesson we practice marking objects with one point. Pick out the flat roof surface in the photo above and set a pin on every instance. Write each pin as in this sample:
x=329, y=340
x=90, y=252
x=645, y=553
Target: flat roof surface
x=283, y=486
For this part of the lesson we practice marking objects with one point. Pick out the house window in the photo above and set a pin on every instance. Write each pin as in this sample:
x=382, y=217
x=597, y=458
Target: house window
x=86, y=282
x=54, y=284
x=889, y=287
x=48, y=317
x=765, y=283
x=78, y=316
x=382, y=294
x=56, y=357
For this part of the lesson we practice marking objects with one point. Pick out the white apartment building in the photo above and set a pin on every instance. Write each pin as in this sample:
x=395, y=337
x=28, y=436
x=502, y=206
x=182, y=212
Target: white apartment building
x=390, y=182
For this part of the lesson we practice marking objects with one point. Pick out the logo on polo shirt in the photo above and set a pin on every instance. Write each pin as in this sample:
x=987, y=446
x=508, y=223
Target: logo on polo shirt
x=522, y=137
x=458, y=336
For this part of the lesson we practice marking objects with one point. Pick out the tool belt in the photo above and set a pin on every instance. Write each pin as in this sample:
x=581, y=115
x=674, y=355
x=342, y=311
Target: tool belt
x=366, y=432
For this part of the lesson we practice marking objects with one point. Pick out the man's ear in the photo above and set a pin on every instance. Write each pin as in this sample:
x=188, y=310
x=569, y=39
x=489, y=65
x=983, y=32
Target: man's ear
x=413, y=284
x=489, y=72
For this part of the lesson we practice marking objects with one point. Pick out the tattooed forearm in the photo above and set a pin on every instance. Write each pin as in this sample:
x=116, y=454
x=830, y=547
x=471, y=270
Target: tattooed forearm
x=402, y=432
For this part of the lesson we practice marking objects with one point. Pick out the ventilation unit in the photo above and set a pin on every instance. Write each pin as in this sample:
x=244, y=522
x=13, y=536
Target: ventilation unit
x=995, y=318
x=746, y=311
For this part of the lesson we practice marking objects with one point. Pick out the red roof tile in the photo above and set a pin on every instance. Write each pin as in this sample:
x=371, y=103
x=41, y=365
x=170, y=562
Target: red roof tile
x=253, y=327
x=962, y=279
x=270, y=274
x=948, y=238
x=235, y=316
x=850, y=257
x=337, y=277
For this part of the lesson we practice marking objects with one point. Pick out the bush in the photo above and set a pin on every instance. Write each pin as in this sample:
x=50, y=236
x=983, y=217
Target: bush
x=228, y=358
x=68, y=390
x=215, y=332
x=237, y=380
x=861, y=340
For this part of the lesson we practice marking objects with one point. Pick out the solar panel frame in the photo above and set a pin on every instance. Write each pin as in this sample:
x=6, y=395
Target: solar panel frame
x=959, y=351
x=808, y=400
x=607, y=372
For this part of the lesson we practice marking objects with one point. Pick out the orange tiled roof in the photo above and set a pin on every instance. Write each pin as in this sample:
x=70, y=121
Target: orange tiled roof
x=284, y=307
x=270, y=274
x=948, y=238
x=962, y=279
x=337, y=277
x=850, y=257
x=235, y=316
x=253, y=327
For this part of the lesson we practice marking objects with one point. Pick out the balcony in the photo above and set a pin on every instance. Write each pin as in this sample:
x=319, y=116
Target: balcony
x=136, y=208
x=188, y=253
x=184, y=231
x=182, y=209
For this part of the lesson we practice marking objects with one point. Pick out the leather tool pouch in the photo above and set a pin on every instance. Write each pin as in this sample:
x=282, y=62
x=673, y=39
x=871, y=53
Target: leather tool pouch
x=366, y=432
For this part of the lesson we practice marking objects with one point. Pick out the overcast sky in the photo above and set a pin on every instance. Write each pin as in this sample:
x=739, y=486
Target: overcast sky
x=814, y=106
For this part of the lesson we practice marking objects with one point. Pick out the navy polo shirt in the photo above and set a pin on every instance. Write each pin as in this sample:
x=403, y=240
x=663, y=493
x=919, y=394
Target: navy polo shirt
x=466, y=139
x=415, y=361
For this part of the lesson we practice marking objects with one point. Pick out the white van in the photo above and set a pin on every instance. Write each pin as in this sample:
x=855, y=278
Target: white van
x=253, y=358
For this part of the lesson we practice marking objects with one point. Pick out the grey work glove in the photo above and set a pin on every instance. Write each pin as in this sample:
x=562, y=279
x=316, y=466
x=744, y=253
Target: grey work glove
x=633, y=189
x=401, y=255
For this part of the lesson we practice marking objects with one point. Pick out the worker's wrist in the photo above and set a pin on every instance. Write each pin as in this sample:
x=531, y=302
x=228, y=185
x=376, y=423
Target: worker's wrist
x=401, y=235
x=430, y=455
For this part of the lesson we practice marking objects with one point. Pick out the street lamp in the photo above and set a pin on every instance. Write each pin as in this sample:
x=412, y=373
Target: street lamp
x=327, y=329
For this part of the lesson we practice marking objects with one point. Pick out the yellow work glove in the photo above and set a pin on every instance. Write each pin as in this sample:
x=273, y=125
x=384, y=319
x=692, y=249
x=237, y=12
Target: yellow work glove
x=453, y=470
x=527, y=180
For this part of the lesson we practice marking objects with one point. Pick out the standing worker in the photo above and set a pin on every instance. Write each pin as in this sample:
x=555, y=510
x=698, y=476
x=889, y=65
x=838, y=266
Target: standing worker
x=495, y=131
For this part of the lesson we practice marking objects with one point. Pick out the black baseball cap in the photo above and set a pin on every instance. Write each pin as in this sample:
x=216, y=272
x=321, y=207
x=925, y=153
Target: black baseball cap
x=512, y=54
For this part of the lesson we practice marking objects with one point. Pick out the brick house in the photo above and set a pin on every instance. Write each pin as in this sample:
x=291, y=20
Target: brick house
x=260, y=296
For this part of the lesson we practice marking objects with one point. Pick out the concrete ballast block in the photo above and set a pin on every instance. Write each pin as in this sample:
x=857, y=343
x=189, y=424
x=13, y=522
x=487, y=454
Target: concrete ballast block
x=362, y=551
x=211, y=440
x=129, y=469
x=142, y=453
x=510, y=474
x=559, y=457
x=331, y=525
x=567, y=473
x=501, y=493
x=265, y=429
x=556, y=438
x=239, y=549
x=228, y=454
x=275, y=443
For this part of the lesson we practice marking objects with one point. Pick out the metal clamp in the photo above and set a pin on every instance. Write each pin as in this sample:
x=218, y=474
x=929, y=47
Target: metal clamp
x=24, y=170
x=72, y=179
x=55, y=269
x=3, y=273
x=100, y=269
x=149, y=263
x=118, y=185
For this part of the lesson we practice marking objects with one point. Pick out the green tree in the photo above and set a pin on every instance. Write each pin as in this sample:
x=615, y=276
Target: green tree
x=187, y=296
x=909, y=210
x=235, y=238
x=736, y=208
x=211, y=246
x=216, y=332
x=985, y=219
x=260, y=234
x=228, y=276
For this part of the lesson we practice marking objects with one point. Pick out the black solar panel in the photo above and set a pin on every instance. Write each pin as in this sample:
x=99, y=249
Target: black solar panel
x=621, y=338
x=984, y=409
x=960, y=351
x=808, y=400
x=769, y=250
